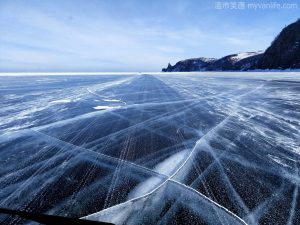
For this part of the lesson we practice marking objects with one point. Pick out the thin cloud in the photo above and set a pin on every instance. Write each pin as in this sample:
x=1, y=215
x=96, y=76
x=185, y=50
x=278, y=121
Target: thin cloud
x=82, y=36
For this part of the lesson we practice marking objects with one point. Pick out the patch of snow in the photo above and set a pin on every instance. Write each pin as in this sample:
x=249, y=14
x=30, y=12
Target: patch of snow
x=208, y=59
x=244, y=55
x=62, y=101
x=168, y=167
x=278, y=160
x=145, y=187
x=111, y=100
x=171, y=164
x=104, y=107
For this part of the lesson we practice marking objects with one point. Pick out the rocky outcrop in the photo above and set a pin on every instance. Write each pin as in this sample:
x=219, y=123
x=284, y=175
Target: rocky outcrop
x=284, y=53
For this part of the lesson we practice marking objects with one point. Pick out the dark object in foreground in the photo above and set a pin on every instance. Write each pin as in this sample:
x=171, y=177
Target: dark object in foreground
x=49, y=219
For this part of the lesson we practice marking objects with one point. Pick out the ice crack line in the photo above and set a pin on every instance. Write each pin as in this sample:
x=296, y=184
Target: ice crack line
x=170, y=177
x=187, y=159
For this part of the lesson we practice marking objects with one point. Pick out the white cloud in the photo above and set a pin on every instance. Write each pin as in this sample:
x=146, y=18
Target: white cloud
x=39, y=38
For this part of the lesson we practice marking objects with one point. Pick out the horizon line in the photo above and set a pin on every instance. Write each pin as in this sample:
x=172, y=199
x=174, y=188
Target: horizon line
x=295, y=71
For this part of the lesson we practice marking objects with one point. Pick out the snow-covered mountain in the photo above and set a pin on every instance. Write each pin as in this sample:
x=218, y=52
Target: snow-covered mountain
x=240, y=61
x=284, y=53
x=194, y=64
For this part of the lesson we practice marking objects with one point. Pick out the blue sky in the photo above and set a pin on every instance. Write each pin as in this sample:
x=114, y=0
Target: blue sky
x=129, y=35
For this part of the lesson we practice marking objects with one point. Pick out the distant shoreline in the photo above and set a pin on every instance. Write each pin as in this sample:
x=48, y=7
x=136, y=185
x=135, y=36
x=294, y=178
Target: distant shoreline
x=2, y=74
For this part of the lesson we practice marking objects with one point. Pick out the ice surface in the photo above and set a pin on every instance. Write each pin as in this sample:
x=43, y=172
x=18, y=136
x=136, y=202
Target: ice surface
x=152, y=149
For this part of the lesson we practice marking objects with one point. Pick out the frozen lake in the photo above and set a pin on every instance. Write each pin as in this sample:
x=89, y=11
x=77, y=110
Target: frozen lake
x=152, y=148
